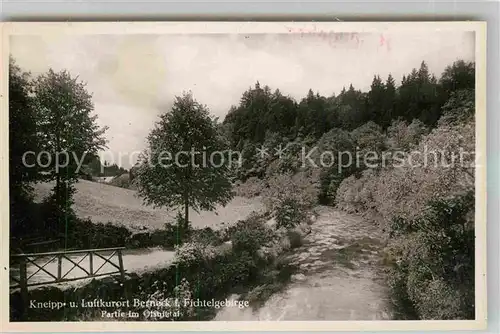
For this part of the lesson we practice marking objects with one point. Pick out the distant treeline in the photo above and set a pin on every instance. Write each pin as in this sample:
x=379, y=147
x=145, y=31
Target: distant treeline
x=420, y=95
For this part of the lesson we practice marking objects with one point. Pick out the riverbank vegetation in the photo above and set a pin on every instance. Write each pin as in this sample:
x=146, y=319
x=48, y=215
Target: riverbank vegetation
x=424, y=201
x=208, y=265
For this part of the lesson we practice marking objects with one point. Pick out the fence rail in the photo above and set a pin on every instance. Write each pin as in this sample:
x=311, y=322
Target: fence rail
x=111, y=256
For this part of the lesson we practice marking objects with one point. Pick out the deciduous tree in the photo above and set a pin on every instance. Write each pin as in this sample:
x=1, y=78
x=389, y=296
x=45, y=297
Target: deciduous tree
x=66, y=125
x=186, y=164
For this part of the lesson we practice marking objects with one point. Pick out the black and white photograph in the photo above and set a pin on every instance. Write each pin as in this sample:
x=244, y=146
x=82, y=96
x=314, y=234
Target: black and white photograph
x=229, y=172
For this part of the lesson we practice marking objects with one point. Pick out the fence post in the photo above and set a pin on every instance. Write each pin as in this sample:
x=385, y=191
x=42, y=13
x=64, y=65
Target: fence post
x=91, y=263
x=122, y=274
x=23, y=283
x=59, y=267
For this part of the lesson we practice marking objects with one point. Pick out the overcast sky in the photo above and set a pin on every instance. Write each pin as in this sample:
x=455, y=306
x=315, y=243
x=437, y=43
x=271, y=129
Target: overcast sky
x=134, y=77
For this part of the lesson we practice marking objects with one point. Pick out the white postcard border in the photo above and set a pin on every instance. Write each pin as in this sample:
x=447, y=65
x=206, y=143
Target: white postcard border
x=89, y=28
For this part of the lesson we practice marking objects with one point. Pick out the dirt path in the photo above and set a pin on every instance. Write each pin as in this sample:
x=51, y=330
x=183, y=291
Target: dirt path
x=340, y=276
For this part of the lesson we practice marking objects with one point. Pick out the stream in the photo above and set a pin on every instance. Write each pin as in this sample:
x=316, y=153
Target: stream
x=340, y=276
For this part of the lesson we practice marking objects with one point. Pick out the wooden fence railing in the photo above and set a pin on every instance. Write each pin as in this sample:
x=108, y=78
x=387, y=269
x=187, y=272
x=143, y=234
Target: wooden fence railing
x=111, y=256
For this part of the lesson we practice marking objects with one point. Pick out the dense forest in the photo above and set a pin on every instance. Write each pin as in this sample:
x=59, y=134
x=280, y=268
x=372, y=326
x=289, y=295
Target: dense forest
x=420, y=96
x=352, y=118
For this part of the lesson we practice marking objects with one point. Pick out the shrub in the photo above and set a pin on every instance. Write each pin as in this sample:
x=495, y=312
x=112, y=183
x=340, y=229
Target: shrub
x=288, y=197
x=122, y=181
x=331, y=181
x=249, y=236
x=83, y=233
x=369, y=137
x=163, y=238
x=174, y=233
x=336, y=140
x=290, y=213
x=459, y=108
x=336, y=143
x=160, y=291
x=356, y=194
x=254, y=220
x=402, y=136
x=435, y=259
x=290, y=161
x=183, y=292
x=206, y=236
x=404, y=190
x=89, y=235
x=190, y=253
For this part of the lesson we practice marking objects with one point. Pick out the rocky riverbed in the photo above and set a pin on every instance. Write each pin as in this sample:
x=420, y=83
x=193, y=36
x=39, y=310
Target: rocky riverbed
x=340, y=277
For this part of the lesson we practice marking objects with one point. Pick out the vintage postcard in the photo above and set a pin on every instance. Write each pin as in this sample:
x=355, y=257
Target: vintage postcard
x=243, y=176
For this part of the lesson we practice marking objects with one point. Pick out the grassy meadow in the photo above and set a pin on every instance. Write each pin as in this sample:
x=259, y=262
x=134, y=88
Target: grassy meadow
x=103, y=203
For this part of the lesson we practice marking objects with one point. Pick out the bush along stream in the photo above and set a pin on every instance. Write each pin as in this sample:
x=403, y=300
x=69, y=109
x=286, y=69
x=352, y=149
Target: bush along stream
x=209, y=266
x=432, y=272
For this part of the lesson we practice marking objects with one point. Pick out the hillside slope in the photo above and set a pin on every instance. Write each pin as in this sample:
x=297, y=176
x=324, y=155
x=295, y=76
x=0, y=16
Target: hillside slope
x=105, y=203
